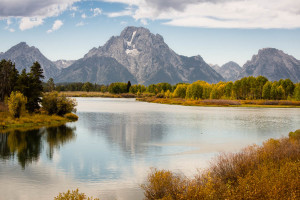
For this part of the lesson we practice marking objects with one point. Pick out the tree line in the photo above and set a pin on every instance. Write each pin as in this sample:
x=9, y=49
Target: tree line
x=247, y=88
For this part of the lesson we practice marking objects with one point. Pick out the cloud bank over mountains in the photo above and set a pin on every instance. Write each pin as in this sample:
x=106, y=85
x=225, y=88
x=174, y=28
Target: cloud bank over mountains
x=218, y=13
x=244, y=14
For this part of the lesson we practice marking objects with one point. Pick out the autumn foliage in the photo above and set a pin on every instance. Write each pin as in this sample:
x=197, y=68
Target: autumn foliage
x=270, y=171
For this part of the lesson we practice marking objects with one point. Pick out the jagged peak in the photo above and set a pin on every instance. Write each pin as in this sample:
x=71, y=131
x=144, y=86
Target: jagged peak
x=198, y=57
x=21, y=46
x=129, y=30
x=269, y=51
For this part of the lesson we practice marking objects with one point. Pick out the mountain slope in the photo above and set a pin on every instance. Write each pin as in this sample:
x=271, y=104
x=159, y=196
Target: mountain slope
x=101, y=70
x=230, y=71
x=60, y=64
x=273, y=64
x=148, y=58
x=24, y=56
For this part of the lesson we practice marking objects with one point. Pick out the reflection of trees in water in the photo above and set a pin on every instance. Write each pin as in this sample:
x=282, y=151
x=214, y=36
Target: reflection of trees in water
x=27, y=145
x=131, y=131
x=4, y=148
x=58, y=136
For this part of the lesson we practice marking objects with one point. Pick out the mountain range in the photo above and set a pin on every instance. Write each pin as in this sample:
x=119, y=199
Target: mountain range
x=24, y=56
x=139, y=56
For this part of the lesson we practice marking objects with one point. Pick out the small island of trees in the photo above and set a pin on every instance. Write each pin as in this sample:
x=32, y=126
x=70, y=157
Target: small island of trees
x=22, y=102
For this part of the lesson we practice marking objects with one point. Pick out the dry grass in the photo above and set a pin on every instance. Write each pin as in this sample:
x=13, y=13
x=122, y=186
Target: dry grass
x=222, y=102
x=31, y=121
x=96, y=94
x=270, y=171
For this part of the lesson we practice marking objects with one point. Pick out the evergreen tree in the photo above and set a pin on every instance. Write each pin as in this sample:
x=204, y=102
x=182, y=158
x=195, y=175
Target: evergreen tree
x=8, y=78
x=23, y=84
x=128, y=86
x=87, y=87
x=36, y=87
x=50, y=86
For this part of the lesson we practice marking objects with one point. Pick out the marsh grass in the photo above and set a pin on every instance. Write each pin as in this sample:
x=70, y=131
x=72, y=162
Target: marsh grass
x=223, y=102
x=31, y=121
x=270, y=171
x=96, y=94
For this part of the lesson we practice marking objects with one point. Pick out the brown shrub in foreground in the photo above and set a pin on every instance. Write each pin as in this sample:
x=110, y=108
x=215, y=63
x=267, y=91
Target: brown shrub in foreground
x=73, y=195
x=270, y=171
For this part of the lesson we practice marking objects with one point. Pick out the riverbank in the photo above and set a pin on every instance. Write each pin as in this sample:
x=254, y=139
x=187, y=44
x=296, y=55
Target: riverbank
x=270, y=171
x=223, y=102
x=96, y=94
x=33, y=121
x=151, y=98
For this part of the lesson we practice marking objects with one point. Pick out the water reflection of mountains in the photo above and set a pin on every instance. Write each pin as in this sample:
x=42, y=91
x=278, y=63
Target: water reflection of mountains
x=28, y=145
x=130, y=131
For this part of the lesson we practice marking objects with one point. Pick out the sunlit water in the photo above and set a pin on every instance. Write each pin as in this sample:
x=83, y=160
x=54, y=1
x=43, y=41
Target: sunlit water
x=109, y=151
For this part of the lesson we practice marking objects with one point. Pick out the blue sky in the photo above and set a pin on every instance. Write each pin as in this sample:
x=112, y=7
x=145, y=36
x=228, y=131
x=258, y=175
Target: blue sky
x=218, y=30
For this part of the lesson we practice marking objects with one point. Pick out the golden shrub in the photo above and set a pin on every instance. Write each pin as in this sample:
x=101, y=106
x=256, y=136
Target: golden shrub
x=270, y=171
x=16, y=104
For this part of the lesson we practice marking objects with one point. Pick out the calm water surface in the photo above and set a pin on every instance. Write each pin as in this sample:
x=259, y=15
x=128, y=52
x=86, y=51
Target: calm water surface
x=109, y=151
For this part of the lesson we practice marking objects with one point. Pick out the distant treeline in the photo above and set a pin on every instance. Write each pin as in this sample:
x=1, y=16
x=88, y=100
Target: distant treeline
x=248, y=88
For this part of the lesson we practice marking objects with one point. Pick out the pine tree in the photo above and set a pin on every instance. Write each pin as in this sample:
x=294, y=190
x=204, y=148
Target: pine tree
x=8, y=78
x=36, y=87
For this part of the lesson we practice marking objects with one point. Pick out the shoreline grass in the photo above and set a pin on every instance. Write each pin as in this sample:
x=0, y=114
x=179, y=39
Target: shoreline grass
x=269, y=171
x=96, y=94
x=32, y=121
x=223, y=102
x=188, y=102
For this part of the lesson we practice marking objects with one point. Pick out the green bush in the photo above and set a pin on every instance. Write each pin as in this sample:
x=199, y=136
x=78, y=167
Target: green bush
x=117, y=88
x=16, y=104
x=57, y=104
x=73, y=195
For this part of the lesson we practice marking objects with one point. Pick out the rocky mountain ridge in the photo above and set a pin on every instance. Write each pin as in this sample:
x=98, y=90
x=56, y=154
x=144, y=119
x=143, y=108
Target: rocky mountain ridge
x=142, y=57
x=230, y=71
x=273, y=64
x=148, y=58
x=24, y=56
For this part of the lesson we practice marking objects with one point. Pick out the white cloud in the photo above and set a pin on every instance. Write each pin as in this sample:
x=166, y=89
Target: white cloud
x=8, y=22
x=28, y=22
x=56, y=25
x=97, y=11
x=83, y=16
x=74, y=8
x=120, y=14
x=34, y=8
x=11, y=30
x=144, y=21
x=80, y=24
x=33, y=12
x=73, y=15
x=216, y=13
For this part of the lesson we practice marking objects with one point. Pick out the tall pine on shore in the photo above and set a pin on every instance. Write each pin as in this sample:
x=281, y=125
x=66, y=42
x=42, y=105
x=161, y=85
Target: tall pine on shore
x=36, y=87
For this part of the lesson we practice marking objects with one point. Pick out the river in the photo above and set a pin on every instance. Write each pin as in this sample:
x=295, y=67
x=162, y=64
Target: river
x=110, y=150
